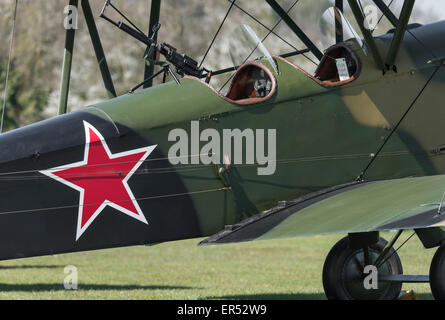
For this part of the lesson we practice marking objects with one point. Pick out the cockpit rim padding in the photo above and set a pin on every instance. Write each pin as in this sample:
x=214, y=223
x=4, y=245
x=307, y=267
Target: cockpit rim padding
x=327, y=83
x=248, y=101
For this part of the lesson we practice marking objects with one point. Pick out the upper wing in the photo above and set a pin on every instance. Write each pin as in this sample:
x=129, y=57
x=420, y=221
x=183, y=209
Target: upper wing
x=408, y=203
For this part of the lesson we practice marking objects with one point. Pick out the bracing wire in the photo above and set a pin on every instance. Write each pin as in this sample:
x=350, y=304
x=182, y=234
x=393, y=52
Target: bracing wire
x=184, y=168
x=217, y=33
x=408, y=31
x=118, y=201
x=271, y=31
x=411, y=106
x=396, y=250
x=11, y=44
x=381, y=17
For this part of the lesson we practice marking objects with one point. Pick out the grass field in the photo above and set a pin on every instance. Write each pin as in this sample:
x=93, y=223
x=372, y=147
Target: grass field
x=279, y=269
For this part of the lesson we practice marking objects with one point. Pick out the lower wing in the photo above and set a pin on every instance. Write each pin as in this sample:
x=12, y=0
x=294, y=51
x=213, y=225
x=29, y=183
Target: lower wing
x=407, y=203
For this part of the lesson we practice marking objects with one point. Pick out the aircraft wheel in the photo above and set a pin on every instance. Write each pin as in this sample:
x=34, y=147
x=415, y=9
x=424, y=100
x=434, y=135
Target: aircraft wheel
x=437, y=274
x=343, y=277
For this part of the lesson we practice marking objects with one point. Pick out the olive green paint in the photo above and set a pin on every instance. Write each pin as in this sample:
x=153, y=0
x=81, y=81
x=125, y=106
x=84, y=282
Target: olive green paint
x=325, y=136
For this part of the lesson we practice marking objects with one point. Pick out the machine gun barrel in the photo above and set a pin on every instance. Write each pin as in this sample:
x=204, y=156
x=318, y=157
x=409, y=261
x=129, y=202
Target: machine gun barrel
x=129, y=30
x=135, y=34
x=184, y=64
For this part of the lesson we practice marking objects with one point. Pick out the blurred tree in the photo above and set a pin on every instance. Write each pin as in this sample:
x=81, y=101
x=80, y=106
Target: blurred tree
x=24, y=104
x=188, y=25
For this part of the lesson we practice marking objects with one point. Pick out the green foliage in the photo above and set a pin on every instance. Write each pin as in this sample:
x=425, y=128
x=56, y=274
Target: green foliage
x=272, y=269
x=24, y=103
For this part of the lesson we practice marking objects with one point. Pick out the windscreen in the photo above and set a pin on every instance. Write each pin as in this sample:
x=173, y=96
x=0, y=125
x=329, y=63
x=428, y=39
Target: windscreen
x=246, y=46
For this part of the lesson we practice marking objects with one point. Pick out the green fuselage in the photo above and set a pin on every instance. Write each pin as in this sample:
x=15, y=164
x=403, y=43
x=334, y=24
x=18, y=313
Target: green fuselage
x=324, y=136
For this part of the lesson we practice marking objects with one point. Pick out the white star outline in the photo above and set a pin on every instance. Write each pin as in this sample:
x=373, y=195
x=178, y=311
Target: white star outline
x=50, y=173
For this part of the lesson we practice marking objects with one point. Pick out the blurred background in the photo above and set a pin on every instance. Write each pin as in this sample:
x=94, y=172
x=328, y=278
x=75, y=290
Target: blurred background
x=188, y=25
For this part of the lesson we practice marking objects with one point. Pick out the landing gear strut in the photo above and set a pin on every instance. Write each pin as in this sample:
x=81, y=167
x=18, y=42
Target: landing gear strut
x=344, y=277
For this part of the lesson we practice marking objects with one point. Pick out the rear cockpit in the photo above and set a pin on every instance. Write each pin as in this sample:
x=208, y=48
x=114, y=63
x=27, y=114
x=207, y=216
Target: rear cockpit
x=339, y=65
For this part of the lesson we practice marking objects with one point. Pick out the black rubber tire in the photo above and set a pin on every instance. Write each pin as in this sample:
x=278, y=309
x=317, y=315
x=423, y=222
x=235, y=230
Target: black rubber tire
x=437, y=274
x=334, y=266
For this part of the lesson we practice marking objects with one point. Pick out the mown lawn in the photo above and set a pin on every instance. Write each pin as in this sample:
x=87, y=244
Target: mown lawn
x=279, y=269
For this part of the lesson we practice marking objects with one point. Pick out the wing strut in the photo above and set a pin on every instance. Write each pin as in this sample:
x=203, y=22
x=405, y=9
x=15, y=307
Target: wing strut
x=154, y=20
x=387, y=12
x=338, y=22
x=399, y=33
x=291, y=24
x=66, y=65
x=367, y=34
x=97, y=45
x=68, y=56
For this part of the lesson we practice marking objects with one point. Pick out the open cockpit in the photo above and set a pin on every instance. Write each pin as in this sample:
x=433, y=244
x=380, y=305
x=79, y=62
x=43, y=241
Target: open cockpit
x=339, y=65
x=253, y=82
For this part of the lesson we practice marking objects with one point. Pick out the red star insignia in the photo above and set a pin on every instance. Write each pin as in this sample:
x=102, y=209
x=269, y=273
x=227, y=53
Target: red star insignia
x=102, y=179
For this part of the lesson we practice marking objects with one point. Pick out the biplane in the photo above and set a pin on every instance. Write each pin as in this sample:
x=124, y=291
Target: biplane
x=354, y=148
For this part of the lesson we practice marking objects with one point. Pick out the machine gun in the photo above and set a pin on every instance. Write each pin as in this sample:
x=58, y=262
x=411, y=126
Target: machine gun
x=184, y=64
